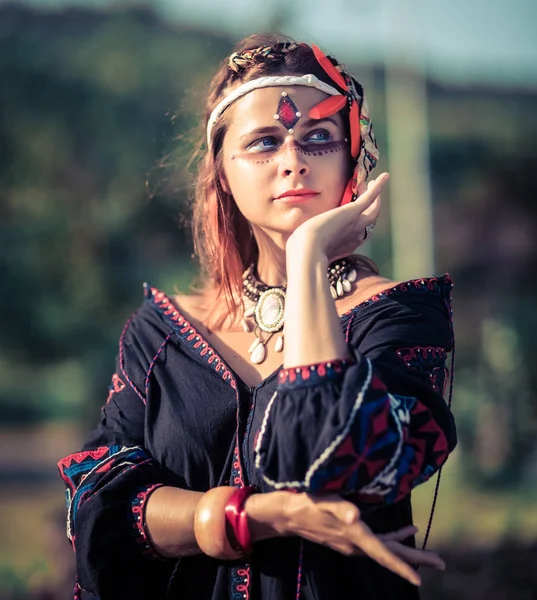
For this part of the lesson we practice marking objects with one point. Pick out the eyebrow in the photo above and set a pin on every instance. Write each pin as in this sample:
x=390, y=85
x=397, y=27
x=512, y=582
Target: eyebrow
x=306, y=123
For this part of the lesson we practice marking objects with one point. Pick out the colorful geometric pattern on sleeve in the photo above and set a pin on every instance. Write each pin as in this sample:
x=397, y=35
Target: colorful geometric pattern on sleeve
x=83, y=471
x=388, y=445
x=428, y=359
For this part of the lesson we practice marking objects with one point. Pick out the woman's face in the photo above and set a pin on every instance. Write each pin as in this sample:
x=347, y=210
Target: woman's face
x=283, y=171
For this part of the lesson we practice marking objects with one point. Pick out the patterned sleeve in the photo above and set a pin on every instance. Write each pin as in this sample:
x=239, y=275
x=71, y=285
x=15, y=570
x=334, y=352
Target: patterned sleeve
x=373, y=426
x=108, y=483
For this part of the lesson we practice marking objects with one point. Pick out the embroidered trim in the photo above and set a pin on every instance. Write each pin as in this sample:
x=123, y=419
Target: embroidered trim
x=239, y=574
x=137, y=515
x=76, y=471
x=240, y=579
x=441, y=286
x=430, y=360
x=122, y=360
x=313, y=374
x=391, y=457
x=187, y=333
x=154, y=362
x=326, y=454
x=383, y=483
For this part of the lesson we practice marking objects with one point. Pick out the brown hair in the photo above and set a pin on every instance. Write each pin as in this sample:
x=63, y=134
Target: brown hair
x=223, y=239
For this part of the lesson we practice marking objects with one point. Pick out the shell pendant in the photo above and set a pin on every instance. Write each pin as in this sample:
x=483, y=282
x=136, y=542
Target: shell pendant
x=257, y=352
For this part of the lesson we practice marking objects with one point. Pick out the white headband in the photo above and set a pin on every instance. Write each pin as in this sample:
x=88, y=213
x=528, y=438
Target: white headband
x=262, y=82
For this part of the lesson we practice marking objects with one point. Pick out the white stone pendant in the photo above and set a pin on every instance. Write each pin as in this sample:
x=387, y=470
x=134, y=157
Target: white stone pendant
x=279, y=344
x=352, y=275
x=269, y=310
x=347, y=287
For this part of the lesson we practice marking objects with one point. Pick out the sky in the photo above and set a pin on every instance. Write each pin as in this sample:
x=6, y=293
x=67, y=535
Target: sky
x=459, y=40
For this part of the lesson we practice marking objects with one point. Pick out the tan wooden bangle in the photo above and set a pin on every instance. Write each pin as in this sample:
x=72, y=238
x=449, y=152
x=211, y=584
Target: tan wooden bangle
x=210, y=524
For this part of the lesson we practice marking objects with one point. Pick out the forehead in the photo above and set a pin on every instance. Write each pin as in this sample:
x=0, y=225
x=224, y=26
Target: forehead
x=258, y=107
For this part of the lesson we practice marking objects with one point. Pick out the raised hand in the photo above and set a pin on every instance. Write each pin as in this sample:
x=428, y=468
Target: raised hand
x=338, y=232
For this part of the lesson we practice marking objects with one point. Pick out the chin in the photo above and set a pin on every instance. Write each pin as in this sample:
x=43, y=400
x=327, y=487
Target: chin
x=295, y=217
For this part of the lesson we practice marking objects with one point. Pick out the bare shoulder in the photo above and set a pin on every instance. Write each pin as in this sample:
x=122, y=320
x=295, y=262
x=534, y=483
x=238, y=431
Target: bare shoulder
x=367, y=284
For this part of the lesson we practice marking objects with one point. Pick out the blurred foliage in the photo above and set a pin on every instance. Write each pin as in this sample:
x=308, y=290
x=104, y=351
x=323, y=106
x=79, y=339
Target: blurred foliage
x=86, y=107
x=91, y=101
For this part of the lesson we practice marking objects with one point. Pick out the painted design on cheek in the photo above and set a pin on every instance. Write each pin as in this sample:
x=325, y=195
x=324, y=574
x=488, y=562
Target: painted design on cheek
x=334, y=147
x=287, y=113
x=319, y=152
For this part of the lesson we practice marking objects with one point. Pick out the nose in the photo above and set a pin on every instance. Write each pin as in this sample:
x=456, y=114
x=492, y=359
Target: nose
x=292, y=160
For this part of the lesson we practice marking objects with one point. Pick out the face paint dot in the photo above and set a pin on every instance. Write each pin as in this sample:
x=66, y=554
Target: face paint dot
x=232, y=157
x=284, y=93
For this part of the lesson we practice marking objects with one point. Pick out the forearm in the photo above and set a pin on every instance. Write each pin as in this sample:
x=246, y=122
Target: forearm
x=170, y=516
x=169, y=519
x=312, y=327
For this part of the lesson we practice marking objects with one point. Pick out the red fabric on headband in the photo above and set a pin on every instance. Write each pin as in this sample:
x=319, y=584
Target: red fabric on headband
x=329, y=68
x=328, y=107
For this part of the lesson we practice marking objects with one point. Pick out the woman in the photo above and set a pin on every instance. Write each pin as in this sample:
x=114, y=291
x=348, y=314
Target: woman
x=217, y=472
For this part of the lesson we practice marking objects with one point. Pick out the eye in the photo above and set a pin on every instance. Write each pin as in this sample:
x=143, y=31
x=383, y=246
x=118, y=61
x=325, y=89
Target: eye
x=263, y=144
x=319, y=135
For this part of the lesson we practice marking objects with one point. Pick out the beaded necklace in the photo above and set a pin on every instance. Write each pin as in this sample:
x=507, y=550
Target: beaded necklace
x=264, y=305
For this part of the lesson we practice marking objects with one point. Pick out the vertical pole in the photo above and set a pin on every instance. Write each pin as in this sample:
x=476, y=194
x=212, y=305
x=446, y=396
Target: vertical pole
x=409, y=187
x=408, y=146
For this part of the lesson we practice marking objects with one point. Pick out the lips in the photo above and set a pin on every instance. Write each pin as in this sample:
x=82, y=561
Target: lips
x=297, y=192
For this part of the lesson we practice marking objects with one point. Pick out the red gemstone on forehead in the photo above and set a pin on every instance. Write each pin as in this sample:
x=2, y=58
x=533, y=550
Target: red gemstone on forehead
x=287, y=112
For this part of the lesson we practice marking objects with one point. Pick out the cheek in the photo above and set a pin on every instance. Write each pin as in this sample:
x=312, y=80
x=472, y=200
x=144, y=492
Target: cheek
x=337, y=170
x=247, y=184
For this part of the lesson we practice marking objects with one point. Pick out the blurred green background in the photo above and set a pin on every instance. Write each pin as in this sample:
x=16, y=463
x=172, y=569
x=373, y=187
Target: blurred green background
x=98, y=101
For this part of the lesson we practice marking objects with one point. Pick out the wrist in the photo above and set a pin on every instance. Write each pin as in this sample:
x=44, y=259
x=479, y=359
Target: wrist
x=266, y=515
x=311, y=253
x=300, y=246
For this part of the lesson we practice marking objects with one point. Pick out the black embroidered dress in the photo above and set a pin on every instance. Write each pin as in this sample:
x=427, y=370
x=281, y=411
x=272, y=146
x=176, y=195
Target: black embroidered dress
x=370, y=428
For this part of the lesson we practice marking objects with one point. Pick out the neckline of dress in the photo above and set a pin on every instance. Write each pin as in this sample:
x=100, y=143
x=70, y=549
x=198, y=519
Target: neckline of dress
x=188, y=333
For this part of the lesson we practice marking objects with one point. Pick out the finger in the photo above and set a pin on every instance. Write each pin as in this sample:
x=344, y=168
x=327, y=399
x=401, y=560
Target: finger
x=373, y=210
x=423, y=558
x=366, y=541
x=373, y=190
x=399, y=535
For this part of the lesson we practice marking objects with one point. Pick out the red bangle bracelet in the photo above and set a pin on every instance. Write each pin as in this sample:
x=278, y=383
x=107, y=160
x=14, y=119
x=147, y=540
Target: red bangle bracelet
x=238, y=519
